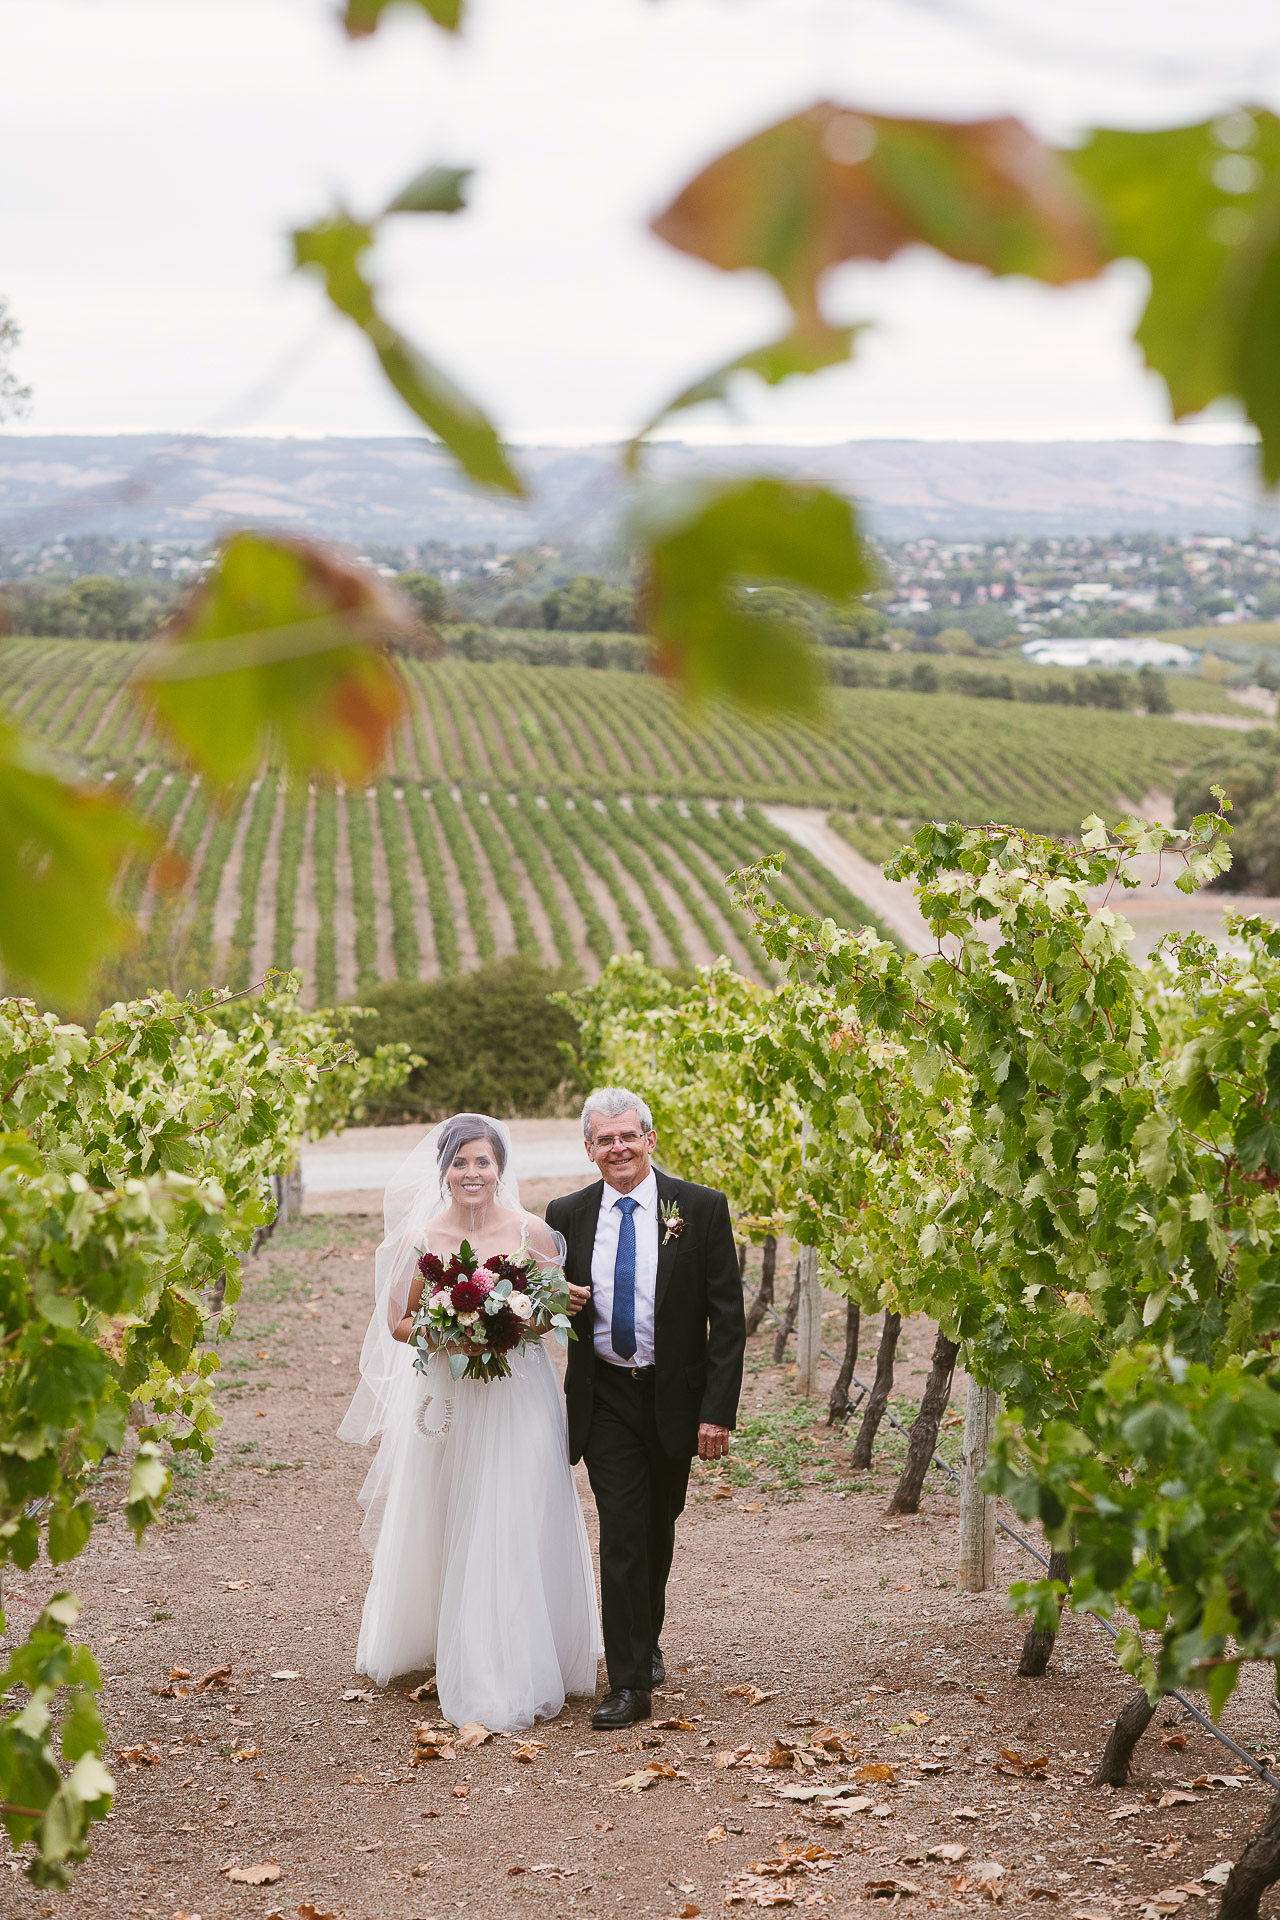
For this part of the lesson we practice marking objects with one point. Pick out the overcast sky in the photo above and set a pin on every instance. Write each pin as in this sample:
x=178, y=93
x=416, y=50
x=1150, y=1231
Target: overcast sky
x=154, y=153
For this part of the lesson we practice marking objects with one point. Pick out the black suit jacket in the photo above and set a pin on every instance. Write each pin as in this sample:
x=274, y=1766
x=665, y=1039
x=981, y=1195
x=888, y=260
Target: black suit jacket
x=699, y=1324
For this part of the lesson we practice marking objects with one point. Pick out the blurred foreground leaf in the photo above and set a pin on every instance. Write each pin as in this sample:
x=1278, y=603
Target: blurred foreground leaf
x=61, y=850
x=806, y=349
x=282, y=642
x=365, y=16
x=705, y=544
x=1200, y=207
x=835, y=184
x=335, y=249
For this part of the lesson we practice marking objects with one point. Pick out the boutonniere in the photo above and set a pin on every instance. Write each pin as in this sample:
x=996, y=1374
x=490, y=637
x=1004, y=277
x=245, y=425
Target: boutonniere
x=671, y=1220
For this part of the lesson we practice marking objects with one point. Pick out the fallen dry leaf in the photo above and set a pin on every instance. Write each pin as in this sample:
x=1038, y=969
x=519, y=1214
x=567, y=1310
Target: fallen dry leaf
x=135, y=1757
x=243, y=1753
x=949, y=1850
x=752, y=1506
x=1175, y=1797
x=234, y=1586
x=889, y=1889
x=357, y=1693
x=1043, y=1893
x=261, y=1876
x=1092, y=1913
x=427, y=1691
x=286, y=1673
x=649, y=1776
x=179, y=1673
x=919, y=1718
x=987, y=1876
x=1011, y=1762
x=528, y=1751
x=876, y=1770
x=216, y=1677
x=1128, y=1811
x=474, y=1734
x=715, y=1833
x=1178, y=1740
x=1226, y=1779
x=677, y=1724
x=754, y=1696
x=460, y=1793
x=307, y=1912
x=964, y=1813
x=688, y=1910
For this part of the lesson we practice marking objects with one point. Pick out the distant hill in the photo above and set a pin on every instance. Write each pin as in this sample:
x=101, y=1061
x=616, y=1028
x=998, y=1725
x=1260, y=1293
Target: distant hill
x=398, y=491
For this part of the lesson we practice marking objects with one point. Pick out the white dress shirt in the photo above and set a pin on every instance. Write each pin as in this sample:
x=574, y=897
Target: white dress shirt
x=603, y=1260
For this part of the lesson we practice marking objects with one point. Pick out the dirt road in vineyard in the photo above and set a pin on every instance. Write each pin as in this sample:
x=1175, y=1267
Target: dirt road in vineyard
x=792, y=1585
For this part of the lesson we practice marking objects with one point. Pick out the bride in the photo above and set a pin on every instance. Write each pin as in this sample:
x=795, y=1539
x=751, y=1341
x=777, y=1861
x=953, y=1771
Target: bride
x=481, y=1567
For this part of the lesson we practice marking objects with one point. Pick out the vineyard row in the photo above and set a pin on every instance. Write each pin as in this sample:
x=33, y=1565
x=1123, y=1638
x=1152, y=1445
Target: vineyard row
x=571, y=729
x=406, y=882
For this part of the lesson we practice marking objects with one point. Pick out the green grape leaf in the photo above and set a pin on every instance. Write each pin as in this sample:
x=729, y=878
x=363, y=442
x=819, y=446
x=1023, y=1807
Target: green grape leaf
x=1199, y=206
x=69, y=1530
x=804, y=350
x=81, y=1730
x=282, y=641
x=335, y=249
x=434, y=190
x=62, y=848
x=834, y=184
x=705, y=543
x=361, y=17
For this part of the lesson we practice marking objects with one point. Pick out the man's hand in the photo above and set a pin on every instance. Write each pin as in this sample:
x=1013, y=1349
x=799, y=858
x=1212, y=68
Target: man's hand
x=713, y=1442
x=578, y=1298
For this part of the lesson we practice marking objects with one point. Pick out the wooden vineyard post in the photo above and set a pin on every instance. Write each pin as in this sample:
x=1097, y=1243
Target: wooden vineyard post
x=977, y=1509
x=808, y=1323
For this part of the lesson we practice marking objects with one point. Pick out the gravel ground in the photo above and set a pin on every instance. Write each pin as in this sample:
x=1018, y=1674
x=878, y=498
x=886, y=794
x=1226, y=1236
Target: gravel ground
x=789, y=1582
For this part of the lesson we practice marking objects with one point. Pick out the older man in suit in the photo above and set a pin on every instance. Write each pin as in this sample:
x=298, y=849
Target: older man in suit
x=654, y=1375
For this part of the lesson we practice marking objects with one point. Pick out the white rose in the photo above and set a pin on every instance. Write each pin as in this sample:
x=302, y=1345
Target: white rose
x=467, y=1319
x=440, y=1298
x=521, y=1305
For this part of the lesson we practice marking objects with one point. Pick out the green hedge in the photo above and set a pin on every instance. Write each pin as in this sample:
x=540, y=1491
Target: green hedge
x=491, y=1040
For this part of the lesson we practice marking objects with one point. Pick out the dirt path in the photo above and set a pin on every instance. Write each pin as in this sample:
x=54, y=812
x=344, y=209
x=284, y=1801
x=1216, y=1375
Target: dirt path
x=791, y=1582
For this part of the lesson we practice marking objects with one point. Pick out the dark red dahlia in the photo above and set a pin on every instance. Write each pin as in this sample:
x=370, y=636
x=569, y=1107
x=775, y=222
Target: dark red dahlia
x=431, y=1267
x=505, y=1331
x=455, y=1270
x=503, y=1269
x=467, y=1297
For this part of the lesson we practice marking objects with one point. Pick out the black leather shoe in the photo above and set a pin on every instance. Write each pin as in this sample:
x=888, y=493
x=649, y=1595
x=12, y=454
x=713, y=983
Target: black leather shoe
x=659, y=1667
x=621, y=1708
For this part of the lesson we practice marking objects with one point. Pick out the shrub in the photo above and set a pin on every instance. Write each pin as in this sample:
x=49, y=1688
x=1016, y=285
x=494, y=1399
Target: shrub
x=1153, y=690
x=589, y=605
x=491, y=1041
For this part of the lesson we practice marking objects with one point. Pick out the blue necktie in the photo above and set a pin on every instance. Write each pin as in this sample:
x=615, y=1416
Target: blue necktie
x=622, y=1328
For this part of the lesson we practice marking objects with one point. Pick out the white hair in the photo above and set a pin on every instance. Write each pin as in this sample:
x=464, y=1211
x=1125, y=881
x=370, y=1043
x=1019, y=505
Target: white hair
x=609, y=1102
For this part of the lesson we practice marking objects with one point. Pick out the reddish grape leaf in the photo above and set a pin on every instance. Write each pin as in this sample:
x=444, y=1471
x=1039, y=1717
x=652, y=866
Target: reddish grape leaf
x=834, y=184
x=282, y=643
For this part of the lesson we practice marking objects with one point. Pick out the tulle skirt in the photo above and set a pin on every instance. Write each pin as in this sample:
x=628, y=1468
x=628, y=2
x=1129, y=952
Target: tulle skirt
x=481, y=1567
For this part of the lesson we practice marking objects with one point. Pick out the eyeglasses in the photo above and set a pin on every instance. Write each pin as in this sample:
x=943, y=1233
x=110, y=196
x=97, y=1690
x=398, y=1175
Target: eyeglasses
x=617, y=1139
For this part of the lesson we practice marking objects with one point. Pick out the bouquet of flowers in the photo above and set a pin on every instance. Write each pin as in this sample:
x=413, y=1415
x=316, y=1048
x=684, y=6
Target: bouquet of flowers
x=476, y=1315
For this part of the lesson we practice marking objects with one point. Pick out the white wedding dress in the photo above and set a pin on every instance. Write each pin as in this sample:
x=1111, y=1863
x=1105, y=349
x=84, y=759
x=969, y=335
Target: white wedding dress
x=481, y=1566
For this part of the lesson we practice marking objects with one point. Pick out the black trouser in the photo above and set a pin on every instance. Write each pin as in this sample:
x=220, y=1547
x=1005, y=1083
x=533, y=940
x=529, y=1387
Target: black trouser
x=639, y=1491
